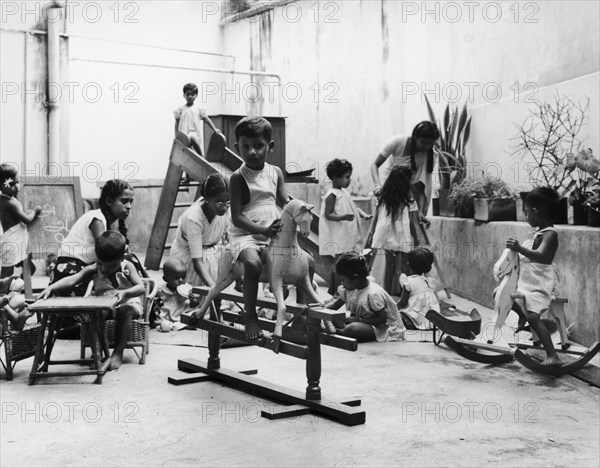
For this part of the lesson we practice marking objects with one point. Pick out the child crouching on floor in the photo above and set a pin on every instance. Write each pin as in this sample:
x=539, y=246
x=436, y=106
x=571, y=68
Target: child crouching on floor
x=111, y=275
x=373, y=312
x=170, y=300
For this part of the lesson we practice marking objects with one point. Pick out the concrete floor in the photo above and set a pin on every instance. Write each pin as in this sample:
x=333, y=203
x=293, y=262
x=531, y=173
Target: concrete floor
x=425, y=406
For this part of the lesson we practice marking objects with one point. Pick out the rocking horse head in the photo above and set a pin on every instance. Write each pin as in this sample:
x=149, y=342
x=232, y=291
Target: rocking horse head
x=506, y=264
x=301, y=213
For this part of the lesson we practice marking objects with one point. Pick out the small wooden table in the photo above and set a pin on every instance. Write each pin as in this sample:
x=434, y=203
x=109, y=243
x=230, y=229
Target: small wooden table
x=51, y=311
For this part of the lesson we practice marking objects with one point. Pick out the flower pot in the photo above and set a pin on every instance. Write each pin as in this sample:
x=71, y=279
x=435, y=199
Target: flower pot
x=444, y=209
x=465, y=212
x=520, y=207
x=580, y=214
x=435, y=206
x=495, y=209
x=520, y=204
x=562, y=213
x=593, y=217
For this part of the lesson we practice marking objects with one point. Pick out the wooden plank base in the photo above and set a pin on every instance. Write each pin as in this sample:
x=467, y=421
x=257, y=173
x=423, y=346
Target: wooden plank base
x=343, y=413
x=196, y=377
x=276, y=412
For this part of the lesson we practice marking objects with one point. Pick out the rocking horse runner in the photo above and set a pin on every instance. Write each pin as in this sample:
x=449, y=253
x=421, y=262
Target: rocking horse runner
x=286, y=263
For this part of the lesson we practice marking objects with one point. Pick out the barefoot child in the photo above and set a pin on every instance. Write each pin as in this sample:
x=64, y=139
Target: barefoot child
x=340, y=229
x=14, y=221
x=393, y=228
x=538, y=276
x=256, y=189
x=418, y=291
x=112, y=275
x=374, y=315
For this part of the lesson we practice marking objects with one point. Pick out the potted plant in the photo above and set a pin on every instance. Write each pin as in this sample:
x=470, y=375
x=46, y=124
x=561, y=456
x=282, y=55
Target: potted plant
x=450, y=151
x=545, y=139
x=584, y=170
x=460, y=199
x=494, y=201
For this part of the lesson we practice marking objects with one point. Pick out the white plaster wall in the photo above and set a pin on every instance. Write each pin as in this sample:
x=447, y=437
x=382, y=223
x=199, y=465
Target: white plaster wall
x=117, y=119
x=382, y=55
x=361, y=67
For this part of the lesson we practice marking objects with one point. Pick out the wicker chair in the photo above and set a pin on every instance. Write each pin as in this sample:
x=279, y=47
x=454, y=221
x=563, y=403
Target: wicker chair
x=138, y=337
x=18, y=344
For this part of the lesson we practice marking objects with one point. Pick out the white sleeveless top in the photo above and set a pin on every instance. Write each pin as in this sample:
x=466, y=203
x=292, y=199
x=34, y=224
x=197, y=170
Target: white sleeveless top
x=537, y=281
x=80, y=242
x=261, y=209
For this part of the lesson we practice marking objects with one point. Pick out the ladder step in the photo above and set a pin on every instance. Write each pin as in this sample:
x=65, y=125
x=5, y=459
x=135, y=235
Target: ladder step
x=168, y=246
x=173, y=226
x=182, y=205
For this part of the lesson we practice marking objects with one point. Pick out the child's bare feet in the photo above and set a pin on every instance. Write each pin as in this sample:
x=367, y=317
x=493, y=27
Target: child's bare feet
x=552, y=361
x=115, y=361
x=253, y=331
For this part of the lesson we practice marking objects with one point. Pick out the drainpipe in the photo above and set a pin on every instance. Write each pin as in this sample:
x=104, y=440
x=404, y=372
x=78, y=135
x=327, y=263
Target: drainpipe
x=53, y=18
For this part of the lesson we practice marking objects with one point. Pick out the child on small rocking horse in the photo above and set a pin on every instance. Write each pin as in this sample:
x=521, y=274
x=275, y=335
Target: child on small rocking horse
x=538, y=275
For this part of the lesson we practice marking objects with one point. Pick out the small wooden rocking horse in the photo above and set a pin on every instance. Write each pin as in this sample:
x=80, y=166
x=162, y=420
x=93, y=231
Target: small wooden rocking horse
x=286, y=263
x=506, y=270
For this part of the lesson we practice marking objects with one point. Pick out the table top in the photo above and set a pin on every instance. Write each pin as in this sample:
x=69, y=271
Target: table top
x=69, y=305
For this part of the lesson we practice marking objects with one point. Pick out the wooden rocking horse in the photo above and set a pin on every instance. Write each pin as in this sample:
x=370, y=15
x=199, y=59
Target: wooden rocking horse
x=285, y=264
x=506, y=270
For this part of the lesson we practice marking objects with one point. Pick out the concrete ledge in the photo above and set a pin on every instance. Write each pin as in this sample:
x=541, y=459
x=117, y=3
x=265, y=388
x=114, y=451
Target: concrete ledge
x=467, y=251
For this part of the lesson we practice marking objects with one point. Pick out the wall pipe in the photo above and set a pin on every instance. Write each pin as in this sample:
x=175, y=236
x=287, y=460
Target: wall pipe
x=67, y=36
x=53, y=101
x=203, y=69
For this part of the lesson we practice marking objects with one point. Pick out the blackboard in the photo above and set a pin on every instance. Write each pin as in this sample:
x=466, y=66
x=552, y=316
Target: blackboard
x=62, y=205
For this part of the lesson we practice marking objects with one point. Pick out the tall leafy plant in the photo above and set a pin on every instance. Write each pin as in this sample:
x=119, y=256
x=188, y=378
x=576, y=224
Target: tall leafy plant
x=454, y=134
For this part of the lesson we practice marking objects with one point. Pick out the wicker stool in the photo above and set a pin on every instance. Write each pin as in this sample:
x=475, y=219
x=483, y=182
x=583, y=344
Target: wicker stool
x=18, y=344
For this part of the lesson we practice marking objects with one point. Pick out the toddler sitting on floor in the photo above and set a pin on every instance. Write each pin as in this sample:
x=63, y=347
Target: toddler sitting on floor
x=170, y=300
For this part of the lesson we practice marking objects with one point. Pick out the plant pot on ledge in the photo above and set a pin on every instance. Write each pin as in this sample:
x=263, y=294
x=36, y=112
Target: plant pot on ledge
x=593, y=217
x=495, y=209
x=442, y=208
x=580, y=214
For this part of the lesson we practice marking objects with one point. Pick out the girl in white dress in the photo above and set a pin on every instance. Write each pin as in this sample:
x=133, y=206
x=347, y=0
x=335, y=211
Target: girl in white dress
x=340, y=229
x=418, y=291
x=393, y=228
x=538, y=276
